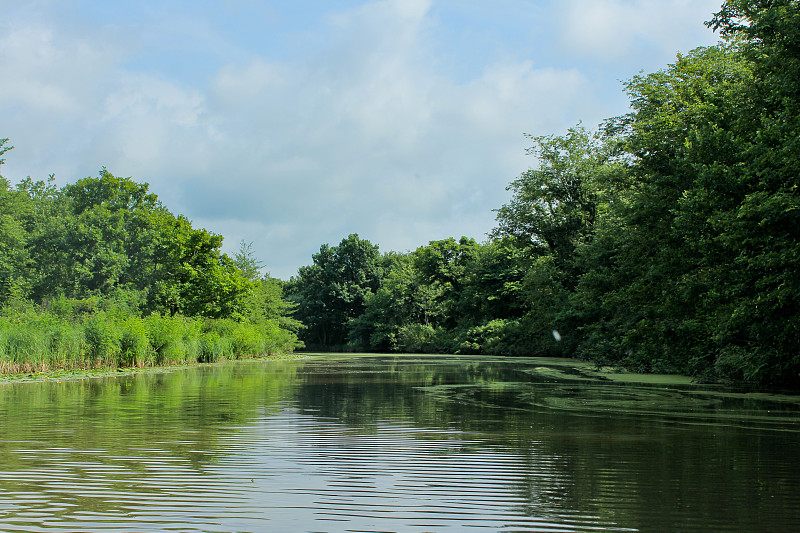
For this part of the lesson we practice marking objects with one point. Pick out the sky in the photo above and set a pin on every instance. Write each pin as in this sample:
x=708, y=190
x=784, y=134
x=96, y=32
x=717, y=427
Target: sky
x=289, y=125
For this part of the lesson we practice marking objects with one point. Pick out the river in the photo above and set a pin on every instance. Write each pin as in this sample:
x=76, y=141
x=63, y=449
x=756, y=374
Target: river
x=395, y=443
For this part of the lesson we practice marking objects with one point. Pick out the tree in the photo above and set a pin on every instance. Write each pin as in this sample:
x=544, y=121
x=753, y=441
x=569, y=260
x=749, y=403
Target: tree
x=246, y=262
x=97, y=236
x=696, y=271
x=759, y=337
x=14, y=257
x=441, y=269
x=333, y=290
x=554, y=206
x=393, y=305
x=21, y=210
x=110, y=237
x=193, y=277
x=264, y=303
x=647, y=297
x=3, y=150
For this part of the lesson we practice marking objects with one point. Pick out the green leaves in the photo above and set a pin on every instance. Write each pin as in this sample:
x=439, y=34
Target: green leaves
x=333, y=290
x=554, y=206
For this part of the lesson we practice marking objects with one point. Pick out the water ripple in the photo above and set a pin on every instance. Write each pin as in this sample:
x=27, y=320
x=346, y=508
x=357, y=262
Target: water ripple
x=239, y=450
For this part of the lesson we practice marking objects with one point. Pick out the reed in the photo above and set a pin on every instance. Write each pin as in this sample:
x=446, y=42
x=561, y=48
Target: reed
x=76, y=336
x=24, y=350
x=67, y=346
x=135, y=347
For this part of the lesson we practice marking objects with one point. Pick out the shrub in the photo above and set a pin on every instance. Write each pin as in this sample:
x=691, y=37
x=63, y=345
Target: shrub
x=247, y=341
x=421, y=338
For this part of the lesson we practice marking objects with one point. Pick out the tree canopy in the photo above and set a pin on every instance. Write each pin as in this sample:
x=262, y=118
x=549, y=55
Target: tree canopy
x=108, y=245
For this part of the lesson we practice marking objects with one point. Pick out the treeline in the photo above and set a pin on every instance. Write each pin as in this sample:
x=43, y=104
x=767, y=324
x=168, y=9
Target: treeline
x=665, y=241
x=100, y=273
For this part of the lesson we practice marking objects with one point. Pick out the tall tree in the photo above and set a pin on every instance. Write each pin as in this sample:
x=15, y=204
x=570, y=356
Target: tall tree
x=760, y=337
x=554, y=206
x=332, y=290
x=647, y=297
x=245, y=260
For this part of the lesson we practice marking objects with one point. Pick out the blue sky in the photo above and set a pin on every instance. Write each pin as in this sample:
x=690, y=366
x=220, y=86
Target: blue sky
x=293, y=124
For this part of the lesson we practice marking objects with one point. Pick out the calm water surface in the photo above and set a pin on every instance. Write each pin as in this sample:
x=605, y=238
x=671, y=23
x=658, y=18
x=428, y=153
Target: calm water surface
x=383, y=443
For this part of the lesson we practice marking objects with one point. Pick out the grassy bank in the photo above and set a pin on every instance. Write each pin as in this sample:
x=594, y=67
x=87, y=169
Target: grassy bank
x=65, y=338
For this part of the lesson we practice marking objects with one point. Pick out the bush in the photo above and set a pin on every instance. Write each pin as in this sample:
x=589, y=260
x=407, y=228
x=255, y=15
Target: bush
x=422, y=338
x=247, y=341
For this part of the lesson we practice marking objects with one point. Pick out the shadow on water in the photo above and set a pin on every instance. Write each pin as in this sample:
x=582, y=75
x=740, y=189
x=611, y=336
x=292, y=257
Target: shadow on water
x=650, y=456
x=395, y=443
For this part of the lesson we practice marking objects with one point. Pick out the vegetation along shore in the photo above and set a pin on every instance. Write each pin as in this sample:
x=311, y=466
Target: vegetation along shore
x=100, y=274
x=667, y=240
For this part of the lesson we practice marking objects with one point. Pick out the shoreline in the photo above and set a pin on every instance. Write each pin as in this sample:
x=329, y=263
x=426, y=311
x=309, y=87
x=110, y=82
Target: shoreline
x=59, y=375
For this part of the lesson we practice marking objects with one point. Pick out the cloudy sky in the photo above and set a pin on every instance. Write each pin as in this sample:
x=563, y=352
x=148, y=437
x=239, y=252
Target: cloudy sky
x=290, y=124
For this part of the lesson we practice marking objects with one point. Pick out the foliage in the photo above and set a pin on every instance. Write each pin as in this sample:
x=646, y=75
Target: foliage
x=334, y=288
x=99, y=272
x=82, y=334
x=666, y=241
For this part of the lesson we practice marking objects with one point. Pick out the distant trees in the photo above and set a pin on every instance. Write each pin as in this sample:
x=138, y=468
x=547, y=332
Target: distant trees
x=332, y=290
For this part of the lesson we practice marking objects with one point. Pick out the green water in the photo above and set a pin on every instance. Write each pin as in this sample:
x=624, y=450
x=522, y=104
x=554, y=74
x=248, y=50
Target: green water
x=383, y=443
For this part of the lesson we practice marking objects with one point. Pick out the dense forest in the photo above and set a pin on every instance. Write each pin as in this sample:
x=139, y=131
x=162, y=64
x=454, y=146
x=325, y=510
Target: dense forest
x=667, y=240
x=100, y=273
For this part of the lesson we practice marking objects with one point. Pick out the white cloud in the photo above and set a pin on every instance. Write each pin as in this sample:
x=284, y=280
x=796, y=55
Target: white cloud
x=150, y=124
x=620, y=30
x=366, y=131
x=368, y=137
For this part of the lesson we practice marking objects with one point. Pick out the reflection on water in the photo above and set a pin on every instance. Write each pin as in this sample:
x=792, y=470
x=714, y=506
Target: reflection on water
x=386, y=443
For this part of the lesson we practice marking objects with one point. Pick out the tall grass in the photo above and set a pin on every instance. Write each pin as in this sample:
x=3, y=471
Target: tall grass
x=72, y=335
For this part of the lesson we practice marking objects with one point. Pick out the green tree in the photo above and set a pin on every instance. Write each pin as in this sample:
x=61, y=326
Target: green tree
x=647, y=294
x=265, y=302
x=14, y=257
x=553, y=212
x=332, y=290
x=441, y=270
x=696, y=271
x=19, y=216
x=759, y=335
x=111, y=237
x=493, y=282
x=246, y=262
x=554, y=206
x=393, y=305
x=193, y=277
x=95, y=237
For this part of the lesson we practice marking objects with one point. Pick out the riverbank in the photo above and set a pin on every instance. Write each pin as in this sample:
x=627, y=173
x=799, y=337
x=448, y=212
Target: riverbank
x=62, y=375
